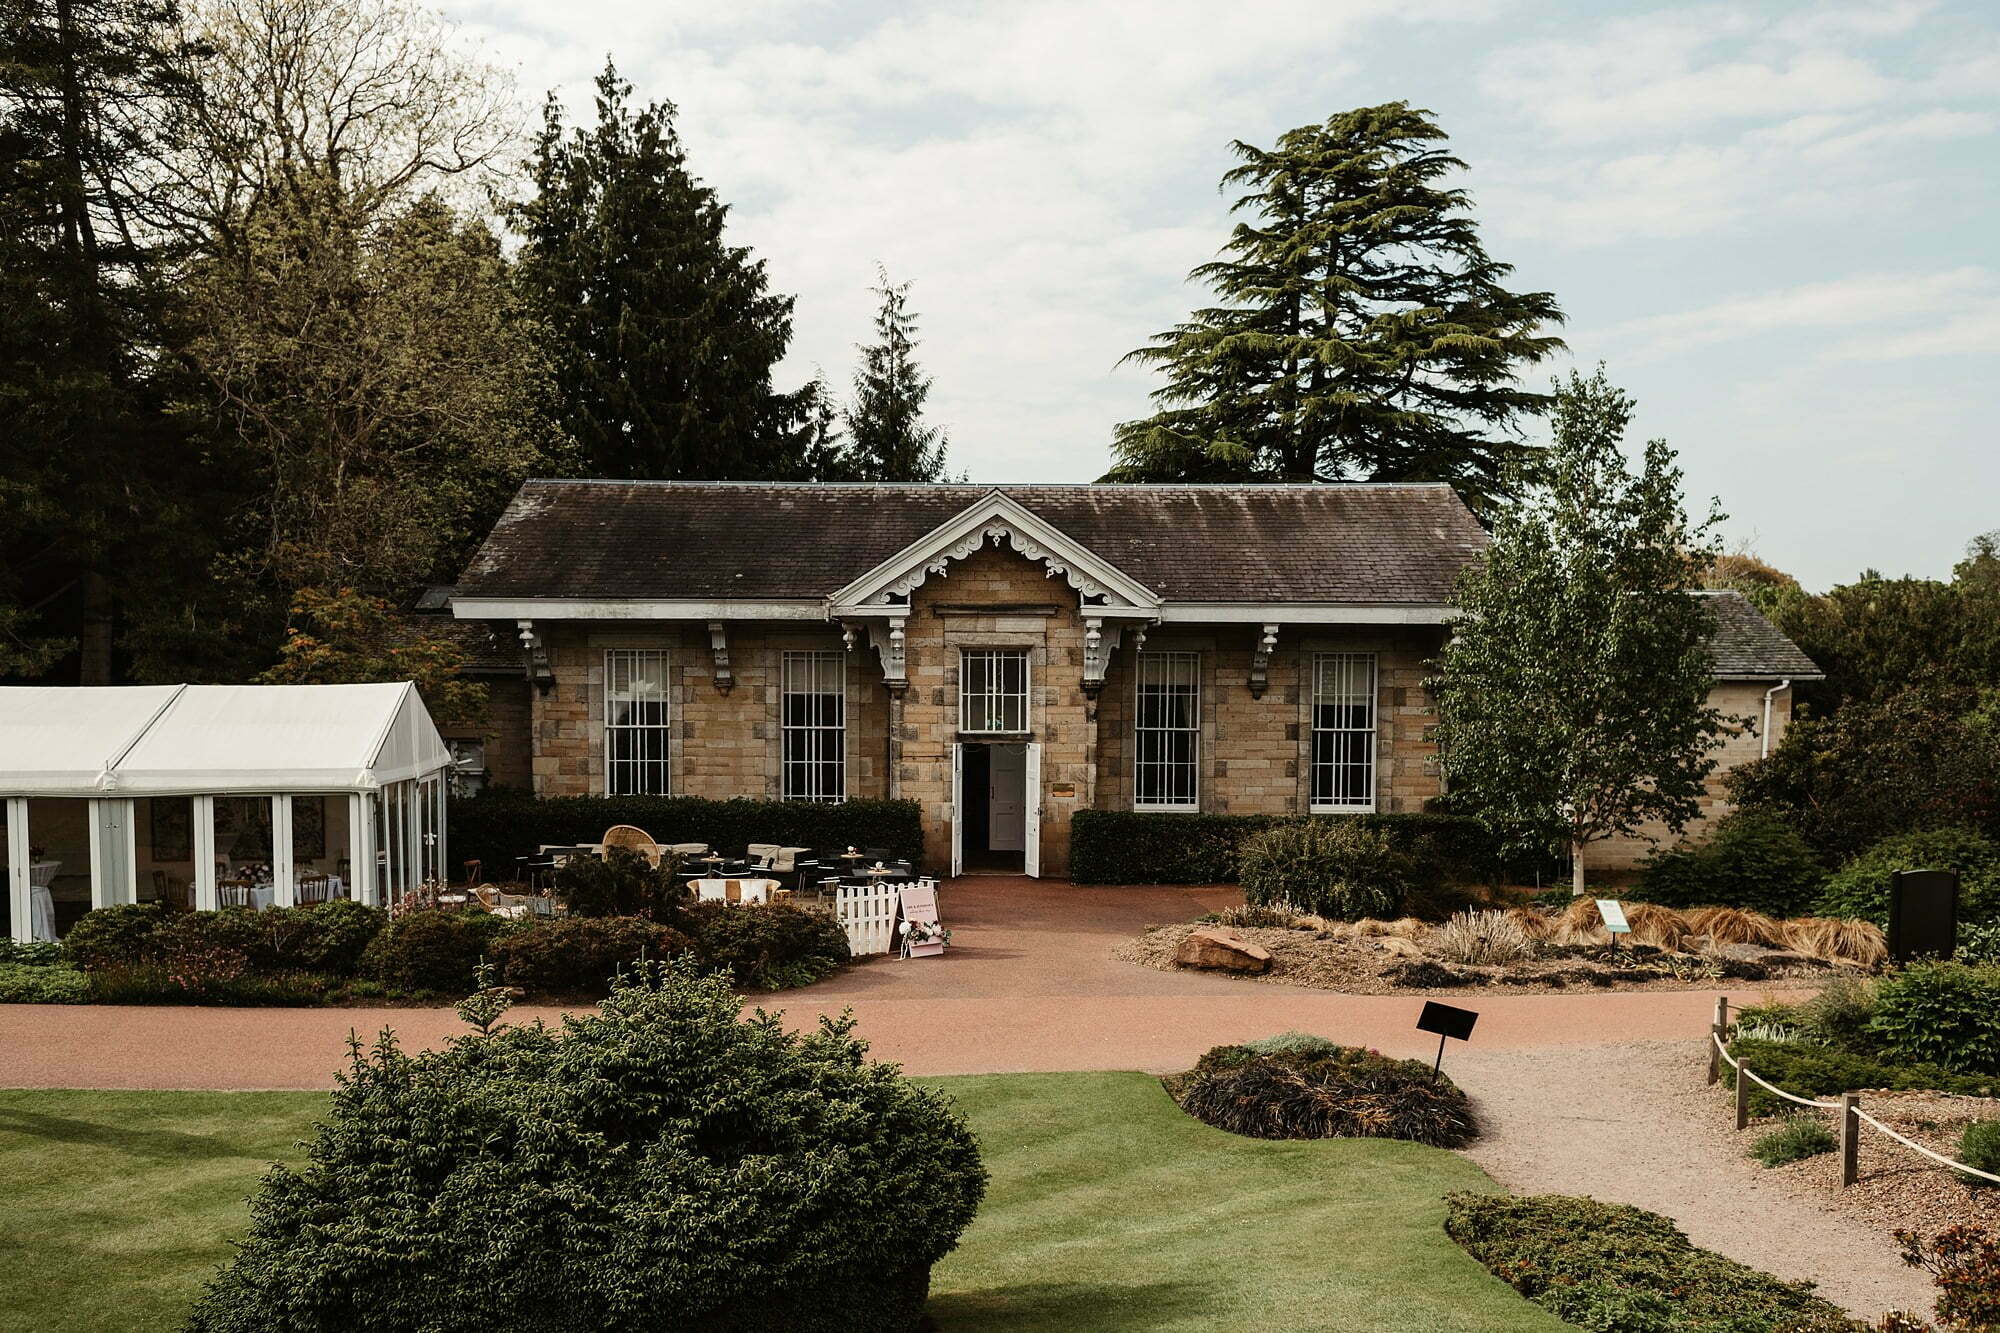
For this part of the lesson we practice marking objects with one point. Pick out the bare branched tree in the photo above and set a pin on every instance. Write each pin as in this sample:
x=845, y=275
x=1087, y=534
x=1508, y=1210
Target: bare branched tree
x=377, y=99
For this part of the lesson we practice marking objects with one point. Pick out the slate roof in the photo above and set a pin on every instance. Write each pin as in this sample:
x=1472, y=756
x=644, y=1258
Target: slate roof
x=1346, y=544
x=1748, y=647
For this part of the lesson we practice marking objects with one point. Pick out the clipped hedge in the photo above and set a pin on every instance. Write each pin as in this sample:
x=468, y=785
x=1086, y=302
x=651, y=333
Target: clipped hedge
x=495, y=827
x=1612, y=1268
x=1139, y=847
x=661, y=1166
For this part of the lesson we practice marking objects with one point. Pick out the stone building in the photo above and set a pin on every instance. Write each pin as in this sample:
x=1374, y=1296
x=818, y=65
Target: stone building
x=1005, y=656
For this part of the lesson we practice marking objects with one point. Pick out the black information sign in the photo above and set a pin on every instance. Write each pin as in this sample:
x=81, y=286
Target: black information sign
x=1449, y=1022
x=1923, y=914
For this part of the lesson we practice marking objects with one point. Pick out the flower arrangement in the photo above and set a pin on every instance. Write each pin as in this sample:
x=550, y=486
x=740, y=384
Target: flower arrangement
x=926, y=932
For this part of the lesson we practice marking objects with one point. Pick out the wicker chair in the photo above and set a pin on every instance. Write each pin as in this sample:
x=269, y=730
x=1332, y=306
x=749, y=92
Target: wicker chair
x=633, y=839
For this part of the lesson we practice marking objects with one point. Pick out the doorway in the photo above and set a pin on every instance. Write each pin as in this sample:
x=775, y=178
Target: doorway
x=993, y=809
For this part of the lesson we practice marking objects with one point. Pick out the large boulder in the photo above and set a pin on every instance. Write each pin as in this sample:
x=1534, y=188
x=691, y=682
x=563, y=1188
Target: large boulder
x=1219, y=949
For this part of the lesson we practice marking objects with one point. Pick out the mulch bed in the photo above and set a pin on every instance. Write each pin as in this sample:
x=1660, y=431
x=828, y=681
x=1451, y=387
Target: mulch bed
x=1391, y=965
x=1899, y=1188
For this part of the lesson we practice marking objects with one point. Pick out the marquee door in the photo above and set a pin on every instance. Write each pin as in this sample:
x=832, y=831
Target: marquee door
x=957, y=810
x=1031, y=856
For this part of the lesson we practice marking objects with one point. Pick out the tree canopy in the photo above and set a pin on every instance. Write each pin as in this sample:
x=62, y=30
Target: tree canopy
x=1573, y=693
x=888, y=439
x=662, y=334
x=1362, y=331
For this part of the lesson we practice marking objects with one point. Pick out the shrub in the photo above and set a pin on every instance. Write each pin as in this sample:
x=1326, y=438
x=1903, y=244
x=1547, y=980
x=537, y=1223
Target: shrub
x=111, y=936
x=1946, y=1014
x=1978, y=942
x=1135, y=847
x=662, y=1165
x=1292, y=1042
x=1752, y=860
x=1965, y=1264
x=1861, y=887
x=31, y=953
x=621, y=883
x=1310, y=1090
x=1979, y=1148
x=39, y=983
x=1816, y=1071
x=1794, y=1141
x=433, y=950
x=327, y=937
x=768, y=947
x=219, y=979
x=1612, y=1268
x=1481, y=938
x=1838, y=1015
x=497, y=826
x=1345, y=871
x=579, y=955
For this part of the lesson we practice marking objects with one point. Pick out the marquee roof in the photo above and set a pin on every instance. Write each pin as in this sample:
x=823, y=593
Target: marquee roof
x=195, y=739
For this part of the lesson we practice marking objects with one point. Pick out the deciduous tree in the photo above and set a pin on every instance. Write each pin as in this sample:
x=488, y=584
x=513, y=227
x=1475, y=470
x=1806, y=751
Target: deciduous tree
x=1362, y=330
x=1573, y=693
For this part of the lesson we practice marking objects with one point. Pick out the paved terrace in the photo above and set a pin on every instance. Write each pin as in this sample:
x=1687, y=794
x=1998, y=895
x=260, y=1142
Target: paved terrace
x=1029, y=985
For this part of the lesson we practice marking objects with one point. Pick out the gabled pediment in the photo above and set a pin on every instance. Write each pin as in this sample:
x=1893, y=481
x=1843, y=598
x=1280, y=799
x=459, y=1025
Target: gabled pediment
x=995, y=519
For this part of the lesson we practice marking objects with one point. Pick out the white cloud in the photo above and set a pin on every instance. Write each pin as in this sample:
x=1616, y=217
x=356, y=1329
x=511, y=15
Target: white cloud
x=1879, y=301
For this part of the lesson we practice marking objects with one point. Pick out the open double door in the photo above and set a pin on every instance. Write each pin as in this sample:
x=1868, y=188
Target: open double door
x=1012, y=797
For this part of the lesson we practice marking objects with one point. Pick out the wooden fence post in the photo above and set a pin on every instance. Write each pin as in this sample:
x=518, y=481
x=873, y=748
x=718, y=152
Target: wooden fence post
x=1718, y=1031
x=1742, y=1094
x=1850, y=1139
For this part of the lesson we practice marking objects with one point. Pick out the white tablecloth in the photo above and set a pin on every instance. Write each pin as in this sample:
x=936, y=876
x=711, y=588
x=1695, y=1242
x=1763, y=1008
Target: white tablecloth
x=717, y=890
x=41, y=913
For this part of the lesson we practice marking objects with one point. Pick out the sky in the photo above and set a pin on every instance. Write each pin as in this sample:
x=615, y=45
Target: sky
x=1777, y=225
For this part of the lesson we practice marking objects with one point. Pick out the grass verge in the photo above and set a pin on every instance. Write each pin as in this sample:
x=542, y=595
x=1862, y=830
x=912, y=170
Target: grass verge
x=1110, y=1209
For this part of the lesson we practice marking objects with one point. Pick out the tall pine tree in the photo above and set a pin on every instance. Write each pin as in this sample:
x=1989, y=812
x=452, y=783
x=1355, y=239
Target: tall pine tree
x=1362, y=333
x=89, y=89
x=887, y=437
x=662, y=334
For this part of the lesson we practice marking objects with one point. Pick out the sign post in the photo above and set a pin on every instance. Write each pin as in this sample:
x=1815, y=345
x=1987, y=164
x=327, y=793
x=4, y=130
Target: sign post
x=1448, y=1022
x=1614, y=918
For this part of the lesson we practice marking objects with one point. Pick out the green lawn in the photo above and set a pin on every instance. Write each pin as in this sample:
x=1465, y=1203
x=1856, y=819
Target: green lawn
x=1109, y=1209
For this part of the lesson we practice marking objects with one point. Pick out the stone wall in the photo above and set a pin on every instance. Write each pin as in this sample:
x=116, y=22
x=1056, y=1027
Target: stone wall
x=1742, y=703
x=723, y=744
x=1256, y=753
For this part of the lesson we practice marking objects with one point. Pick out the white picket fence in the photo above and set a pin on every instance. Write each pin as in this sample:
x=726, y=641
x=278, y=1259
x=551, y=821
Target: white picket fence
x=867, y=912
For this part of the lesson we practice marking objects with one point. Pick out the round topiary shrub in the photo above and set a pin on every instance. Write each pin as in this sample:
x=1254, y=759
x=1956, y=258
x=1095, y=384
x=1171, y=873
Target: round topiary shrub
x=579, y=955
x=1288, y=1088
x=1332, y=868
x=118, y=936
x=1861, y=887
x=767, y=947
x=1979, y=1148
x=661, y=1165
x=433, y=950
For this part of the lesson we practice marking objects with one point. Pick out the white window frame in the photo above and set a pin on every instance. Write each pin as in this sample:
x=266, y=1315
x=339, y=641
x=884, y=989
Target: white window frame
x=822, y=742
x=618, y=663
x=1179, y=668
x=990, y=698
x=1322, y=662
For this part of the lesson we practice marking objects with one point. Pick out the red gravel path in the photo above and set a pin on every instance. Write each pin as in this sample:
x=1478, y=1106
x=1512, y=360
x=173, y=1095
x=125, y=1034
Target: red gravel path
x=1028, y=985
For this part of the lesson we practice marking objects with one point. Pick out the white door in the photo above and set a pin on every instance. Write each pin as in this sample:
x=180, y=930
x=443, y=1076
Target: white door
x=957, y=811
x=1006, y=808
x=1031, y=857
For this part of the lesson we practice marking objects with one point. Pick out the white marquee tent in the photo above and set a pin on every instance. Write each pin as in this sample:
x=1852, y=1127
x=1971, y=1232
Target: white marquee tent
x=216, y=794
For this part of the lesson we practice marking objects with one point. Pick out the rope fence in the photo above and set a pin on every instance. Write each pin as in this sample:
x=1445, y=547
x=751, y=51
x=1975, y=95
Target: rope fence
x=1848, y=1108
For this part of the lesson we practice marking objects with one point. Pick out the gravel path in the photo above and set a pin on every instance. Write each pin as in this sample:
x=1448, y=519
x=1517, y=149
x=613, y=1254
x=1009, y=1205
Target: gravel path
x=1636, y=1123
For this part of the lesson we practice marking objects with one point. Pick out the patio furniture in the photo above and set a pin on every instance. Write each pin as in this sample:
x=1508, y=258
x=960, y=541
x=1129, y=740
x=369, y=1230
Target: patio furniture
x=632, y=839
x=688, y=849
x=761, y=854
x=735, y=890
x=319, y=888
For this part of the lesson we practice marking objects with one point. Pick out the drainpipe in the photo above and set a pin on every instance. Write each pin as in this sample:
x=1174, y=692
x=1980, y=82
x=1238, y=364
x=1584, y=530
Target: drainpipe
x=1765, y=737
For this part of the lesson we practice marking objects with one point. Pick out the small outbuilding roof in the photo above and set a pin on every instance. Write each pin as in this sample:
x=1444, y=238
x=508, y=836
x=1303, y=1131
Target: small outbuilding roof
x=1748, y=647
x=196, y=739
